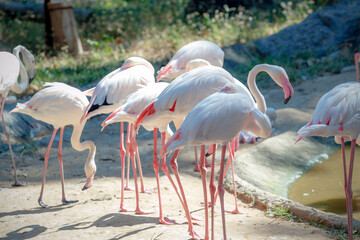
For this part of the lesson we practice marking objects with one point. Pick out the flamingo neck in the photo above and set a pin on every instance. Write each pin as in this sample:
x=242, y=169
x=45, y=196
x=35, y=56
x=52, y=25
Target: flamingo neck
x=251, y=81
x=81, y=146
x=20, y=87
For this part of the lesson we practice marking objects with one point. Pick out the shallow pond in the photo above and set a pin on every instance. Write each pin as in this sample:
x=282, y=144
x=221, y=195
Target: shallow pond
x=322, y=187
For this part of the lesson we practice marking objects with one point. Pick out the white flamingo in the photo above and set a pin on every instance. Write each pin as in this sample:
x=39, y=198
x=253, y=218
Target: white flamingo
x=202, y=49
x=10, y=68
x=128, y=112
x=61, y=105
x=111, y=92
x=218, y=119
x=338, y=114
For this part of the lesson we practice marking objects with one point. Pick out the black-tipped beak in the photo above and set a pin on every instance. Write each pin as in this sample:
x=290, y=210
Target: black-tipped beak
x=208, y=154
x=84, y=188
x=287, y=100
x=31, y=79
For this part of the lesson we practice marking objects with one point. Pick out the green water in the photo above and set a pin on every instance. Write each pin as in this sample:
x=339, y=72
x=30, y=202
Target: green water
x=322, y=187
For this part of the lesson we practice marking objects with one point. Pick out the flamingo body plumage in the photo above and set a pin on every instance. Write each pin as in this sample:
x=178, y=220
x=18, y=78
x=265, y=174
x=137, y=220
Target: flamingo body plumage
x=59, y=105
x=10, y=68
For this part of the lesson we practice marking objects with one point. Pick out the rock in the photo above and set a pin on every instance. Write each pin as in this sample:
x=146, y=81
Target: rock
x=321, y=33
x=348, y=69
x=10, y=99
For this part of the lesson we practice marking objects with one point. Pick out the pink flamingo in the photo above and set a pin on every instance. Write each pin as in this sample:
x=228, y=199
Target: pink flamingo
x=128, y=112
x=338, y=114
x=202, y=49
x=218, y=119
x=111, y=92
x=61, y=105
x=10, y=68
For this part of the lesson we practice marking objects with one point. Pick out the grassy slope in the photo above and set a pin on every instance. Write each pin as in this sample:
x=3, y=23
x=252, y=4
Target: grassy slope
x=155, y=30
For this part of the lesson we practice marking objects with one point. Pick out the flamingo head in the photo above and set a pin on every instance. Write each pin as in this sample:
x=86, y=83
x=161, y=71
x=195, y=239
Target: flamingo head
x=169, y=72
x=137, y=61
x=90, y=170
x=278, y=74
x=111, y=118
x=29, y=61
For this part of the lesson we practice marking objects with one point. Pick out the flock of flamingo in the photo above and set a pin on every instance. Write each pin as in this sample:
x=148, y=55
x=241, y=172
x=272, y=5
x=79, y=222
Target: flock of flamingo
x=207, y=105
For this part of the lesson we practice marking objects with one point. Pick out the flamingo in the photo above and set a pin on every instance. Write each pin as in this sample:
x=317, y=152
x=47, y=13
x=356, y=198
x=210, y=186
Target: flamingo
x=356, y=58
x=202, y=49
x=10, y=68
x=60, y=105
x=218, y=119
x=128, y=112
x=338, y=114
x=111, y=92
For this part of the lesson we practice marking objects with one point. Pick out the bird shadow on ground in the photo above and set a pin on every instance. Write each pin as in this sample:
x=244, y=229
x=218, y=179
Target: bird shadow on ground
x=116, y=220
x=26, y=232
x=38, y=210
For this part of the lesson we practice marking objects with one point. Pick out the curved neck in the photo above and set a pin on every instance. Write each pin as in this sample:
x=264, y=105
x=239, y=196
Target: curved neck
x=251, y=81
x=20, y=87
x=81, y=146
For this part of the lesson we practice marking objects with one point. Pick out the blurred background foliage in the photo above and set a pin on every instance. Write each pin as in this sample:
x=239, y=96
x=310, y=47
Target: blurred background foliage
x=153, y=29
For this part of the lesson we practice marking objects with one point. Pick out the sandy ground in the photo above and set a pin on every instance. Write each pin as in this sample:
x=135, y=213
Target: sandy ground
x=97, y=216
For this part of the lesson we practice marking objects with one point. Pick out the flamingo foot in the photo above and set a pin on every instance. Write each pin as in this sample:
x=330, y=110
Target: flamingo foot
x=17, y=183
x=123, y=209
x=127, y=188
x=166, y=221
x=143, y=212
x=197, y=168
x=235, y=211
x=43, y=205
x=68, y=202
x=148, y=191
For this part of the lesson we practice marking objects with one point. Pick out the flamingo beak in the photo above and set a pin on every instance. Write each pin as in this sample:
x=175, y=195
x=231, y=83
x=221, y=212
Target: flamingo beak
x=288, y=90
x=88, y=183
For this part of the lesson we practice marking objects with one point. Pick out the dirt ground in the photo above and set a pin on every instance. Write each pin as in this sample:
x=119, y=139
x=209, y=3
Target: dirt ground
x=97, y=216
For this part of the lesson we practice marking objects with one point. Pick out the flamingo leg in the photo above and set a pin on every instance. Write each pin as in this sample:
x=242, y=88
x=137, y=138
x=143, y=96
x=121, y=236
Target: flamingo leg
x=46, y=158
x=136, y=148
x=203, y=178
x=60, y=156
x=197, y=167
x=132, y=157
x=17, y=182
x=231, y=160
x=128, y=159
x=212, y=191
x=345, y=169
x=122, y=155
x=156, y=170
x=221, y=190
x=348, y=190
x=174, y=167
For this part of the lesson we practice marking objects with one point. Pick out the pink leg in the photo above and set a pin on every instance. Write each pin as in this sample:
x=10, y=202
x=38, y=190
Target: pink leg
x=237, y=142
x=60, y=156
x=122, y=155
x=46, y=158
x=348, y=190
x=197, y=168
x=203, y=177
x=221, y=189
x=17, y=182
x=132, y=157
x=136, y=148
x=231, y=159
x=212, y=191
x=128, y=159
x=156, y=170
x=174, y=167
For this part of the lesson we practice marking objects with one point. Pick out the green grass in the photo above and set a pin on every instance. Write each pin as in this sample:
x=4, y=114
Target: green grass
x=155, y=30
